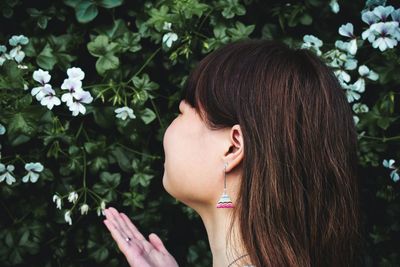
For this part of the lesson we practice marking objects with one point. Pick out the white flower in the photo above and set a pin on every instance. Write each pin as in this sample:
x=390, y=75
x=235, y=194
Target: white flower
x=356, y=119
x=347, y=30
x=67, y=217
x=43, y=77
x=2, y=59
x=124, y=112
x=101, y=208
x=3, y=49
x=169, y=38
x=312, y=42
x=349, y=64
x=49, y=98
x=396, y=15
x=33, y=172
x=4, y=56
x=384, y=30
x=352, y=96
x=368, y=34
x=72, y=85
x=389, y=164
x=383, y=12
x=393, y=174
x=360, y=85
x=350, y=90
x=2, y=129
x=18, y=39
x=75, y=73
x=6, y=173
x=73, y=197
x=342, y=75
x=17, y=54
x=360, y=108
x=57, y=200
x=364, y=71
x=79, y=97
x=167, y=26
x=334, y=6
x=369, y=17
x=337, y=57
x=352, y=48
x=84, y=208
x=349, y=47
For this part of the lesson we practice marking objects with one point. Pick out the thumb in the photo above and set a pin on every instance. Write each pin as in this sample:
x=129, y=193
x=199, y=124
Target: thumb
x=157, y=243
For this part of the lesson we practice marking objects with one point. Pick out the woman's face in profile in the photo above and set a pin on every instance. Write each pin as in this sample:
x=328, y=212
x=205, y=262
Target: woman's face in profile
x=193, y=164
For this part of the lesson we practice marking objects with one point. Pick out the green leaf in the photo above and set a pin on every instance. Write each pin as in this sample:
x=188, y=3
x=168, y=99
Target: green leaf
x=9, y=240
x=122, y=158
x=100, y=254
x=86, y=11
x=107, y=62
x=104, y=116
x=13, y=77
x=42, y=22
x=144, y=83
x=72, y=3
x=99, y=46
x=110, y=3
x=147, y=115
x=117, y=29
x=15, y=257
x=306, y=19
x=111, y=180
x=130, y=42
x=158, y=17
x=269, y=31
x=23, y=102
x=240, y=31
x=232, y=8
x=189, y=8
x=46, y=58
x=24, y=238
x=140, y=97
x=21, y=124
x=141, y=178
x=98, y=163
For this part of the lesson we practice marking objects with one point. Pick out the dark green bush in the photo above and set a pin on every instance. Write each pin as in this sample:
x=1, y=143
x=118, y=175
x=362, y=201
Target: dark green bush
x=135, y=57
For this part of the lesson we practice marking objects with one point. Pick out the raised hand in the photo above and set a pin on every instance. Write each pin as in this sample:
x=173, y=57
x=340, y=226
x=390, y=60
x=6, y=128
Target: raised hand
x=138, y=251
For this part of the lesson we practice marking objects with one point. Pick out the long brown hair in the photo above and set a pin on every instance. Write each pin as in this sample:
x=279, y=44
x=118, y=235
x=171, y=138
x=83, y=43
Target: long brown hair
x=298, y=203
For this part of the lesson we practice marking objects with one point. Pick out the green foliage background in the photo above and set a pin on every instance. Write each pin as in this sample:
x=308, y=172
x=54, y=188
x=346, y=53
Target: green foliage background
x=119, y=46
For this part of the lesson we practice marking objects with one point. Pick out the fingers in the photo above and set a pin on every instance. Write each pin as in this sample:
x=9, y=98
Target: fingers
x=123, y=222
x=132, y=227
x=117, y=218
x=127, y=229
x=117, y=235
x=157, y=243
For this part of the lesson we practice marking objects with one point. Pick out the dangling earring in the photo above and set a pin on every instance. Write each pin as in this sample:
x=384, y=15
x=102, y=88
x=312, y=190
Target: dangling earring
x=225, y=200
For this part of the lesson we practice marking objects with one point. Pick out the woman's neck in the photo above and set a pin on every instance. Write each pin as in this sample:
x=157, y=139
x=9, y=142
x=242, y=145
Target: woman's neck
x=216, y=222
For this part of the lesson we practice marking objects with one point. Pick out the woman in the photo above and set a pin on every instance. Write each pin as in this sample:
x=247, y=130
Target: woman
x=279, y=119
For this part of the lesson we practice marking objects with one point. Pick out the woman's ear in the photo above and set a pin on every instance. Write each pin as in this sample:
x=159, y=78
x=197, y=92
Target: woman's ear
x=234, y=151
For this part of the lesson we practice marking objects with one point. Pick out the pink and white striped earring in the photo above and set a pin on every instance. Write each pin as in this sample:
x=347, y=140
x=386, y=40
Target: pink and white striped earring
x=225, y=200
